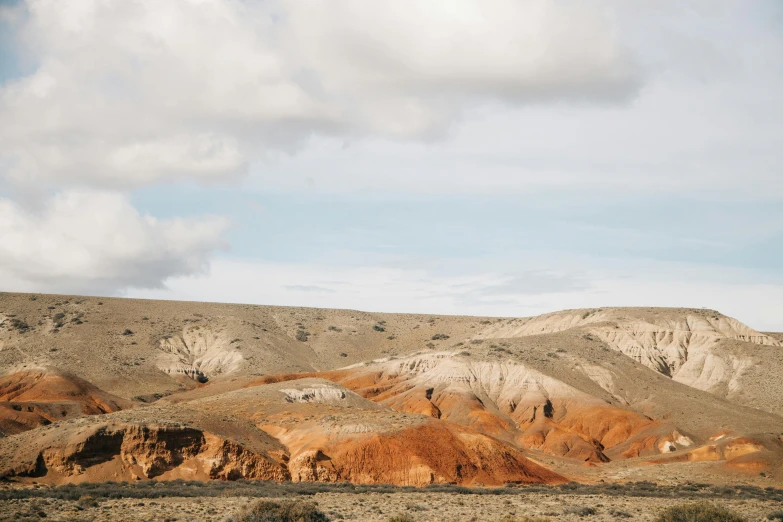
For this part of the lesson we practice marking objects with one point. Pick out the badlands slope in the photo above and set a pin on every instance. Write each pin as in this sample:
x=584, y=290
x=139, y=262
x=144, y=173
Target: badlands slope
x=118, y=389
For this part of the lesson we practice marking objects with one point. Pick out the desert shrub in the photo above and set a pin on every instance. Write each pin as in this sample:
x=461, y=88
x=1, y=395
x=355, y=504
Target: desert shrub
x=580, y=511
x=511, y=518
x=302, y=335
x=698, y=512
x=19, y=325
x=87, y=501
x=127, y=331
x=401, y=518
x=267, y=511
x=777, y=515
x=270, y=489
x=335, y=329
x=379, y=328
x=439, y=337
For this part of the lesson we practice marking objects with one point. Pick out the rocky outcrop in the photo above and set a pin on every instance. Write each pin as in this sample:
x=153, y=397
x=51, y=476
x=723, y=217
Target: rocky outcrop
x=157, y=449
x=319, y=393
x=313, y=466
x=228, y=460
x=150, y=451
x=199, y=353
x=740, y=453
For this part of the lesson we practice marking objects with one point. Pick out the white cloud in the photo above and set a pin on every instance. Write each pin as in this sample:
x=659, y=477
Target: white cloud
x=86, y=241
x=127, y=92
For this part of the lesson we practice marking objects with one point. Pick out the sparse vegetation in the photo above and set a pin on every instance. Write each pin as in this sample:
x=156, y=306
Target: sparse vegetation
x=584, y=511
x=776, y=515
x=258, y=488
x=379, y=328
x=19, y=325
x=302, y=335
x=266, y=511
x=335, y=329
x=440, y=337
x=401, y=518
x=698, y=512
x=127, y=331
x=87, y=501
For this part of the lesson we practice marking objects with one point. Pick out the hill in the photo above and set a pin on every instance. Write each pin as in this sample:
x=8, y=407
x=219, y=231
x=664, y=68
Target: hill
x=121, y=389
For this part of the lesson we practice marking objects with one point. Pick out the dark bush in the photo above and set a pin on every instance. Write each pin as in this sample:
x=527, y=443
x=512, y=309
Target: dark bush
x=19, y=325
x=379, y=328
x=302, y=335
x=127, y=331
x=267, y=511
x=699, y=512
x=439, y=337
x=777, y=515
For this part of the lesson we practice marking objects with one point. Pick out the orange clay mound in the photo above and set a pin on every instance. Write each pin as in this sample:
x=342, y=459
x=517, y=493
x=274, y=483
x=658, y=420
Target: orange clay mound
x=506, y=401
x=39, y=397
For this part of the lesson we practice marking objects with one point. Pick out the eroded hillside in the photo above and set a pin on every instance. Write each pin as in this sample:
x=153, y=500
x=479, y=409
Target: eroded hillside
x=115, y=389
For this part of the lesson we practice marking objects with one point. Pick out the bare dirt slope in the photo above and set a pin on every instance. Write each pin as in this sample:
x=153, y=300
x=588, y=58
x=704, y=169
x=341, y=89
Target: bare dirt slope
x=108, y=389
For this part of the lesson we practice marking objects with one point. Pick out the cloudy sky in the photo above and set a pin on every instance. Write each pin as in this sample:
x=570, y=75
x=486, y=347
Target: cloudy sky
x=495, y=157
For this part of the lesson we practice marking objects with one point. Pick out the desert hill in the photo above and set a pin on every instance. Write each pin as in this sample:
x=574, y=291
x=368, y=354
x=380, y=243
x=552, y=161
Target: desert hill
x=120, y=389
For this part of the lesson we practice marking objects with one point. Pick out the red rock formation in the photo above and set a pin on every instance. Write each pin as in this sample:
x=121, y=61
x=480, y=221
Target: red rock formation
x=39, y=397
x=149, y=451
x=533, y=410
x=436, y=453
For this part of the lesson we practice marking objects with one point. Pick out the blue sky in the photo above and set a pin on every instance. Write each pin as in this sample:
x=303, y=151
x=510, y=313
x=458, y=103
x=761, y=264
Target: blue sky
x=504, y=158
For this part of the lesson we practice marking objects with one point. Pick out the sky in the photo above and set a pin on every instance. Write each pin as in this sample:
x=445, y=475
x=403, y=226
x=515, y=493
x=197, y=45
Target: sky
x=481, y=157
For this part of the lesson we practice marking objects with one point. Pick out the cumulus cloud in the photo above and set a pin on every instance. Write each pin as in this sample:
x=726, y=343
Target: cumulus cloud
x=90, y=241
x=127, y=92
